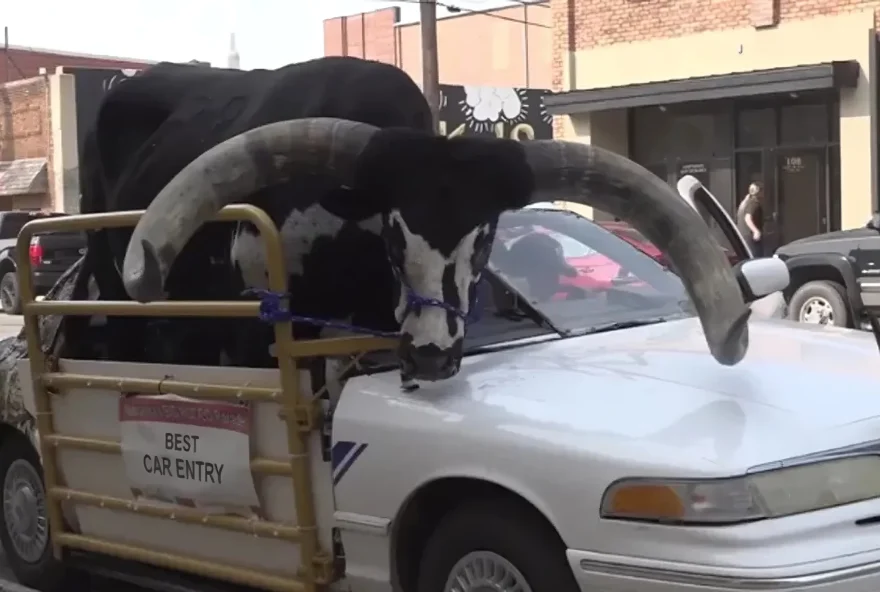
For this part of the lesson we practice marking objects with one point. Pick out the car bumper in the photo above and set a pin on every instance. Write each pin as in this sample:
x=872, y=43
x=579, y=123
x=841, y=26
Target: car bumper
x=595, y=573
x=44, y=280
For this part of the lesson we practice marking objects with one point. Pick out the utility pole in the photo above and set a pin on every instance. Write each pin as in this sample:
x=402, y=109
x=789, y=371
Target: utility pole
x=430, y=68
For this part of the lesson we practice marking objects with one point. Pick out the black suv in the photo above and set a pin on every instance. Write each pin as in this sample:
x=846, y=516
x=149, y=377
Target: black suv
x=50, y=255
x=835, y=276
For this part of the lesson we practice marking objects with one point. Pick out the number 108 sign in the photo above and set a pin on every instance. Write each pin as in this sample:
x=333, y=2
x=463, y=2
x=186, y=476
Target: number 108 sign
x=194, y=453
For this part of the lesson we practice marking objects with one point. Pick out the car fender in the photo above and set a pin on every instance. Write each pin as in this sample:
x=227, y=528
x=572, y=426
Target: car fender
x=7, y=257
x=817, y=266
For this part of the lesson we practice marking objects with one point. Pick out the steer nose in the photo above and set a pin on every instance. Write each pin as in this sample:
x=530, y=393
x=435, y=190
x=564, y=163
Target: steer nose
x=428, y=362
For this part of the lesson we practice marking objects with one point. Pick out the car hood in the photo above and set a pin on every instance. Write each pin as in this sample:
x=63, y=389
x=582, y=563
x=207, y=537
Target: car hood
x=655, y=393
x=826, y=241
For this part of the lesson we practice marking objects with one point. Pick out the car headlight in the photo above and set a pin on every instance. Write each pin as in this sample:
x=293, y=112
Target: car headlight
x=755, y=496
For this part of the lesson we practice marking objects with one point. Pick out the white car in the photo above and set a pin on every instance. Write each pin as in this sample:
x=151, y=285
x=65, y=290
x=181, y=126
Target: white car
x=597, y=446
x=590, y=443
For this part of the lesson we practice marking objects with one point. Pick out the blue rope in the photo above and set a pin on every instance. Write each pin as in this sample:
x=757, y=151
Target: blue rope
x=274, y=309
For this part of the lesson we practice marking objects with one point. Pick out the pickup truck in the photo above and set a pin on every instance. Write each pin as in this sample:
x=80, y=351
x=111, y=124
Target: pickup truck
x=50, y=255
x=835, y=276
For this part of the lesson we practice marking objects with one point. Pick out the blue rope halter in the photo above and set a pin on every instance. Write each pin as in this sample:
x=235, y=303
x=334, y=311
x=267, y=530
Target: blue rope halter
x=274, y=308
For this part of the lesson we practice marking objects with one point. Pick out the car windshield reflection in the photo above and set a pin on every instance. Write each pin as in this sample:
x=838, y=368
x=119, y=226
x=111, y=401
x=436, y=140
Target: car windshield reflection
x=554, y=273
x=577, y=275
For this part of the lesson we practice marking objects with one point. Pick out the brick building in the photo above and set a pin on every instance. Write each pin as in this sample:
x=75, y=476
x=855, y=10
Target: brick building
x=782, y=92
x=499, y=47
x=33, y=102
x=499, y=56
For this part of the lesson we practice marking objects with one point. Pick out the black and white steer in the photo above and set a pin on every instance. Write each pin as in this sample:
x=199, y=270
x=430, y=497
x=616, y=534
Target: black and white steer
x=341, y=155
x=438, y=241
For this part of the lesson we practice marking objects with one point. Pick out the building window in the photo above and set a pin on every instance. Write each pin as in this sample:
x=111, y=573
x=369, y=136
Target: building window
x=756, y=128
x=651, y=137
x=803, y=124
x=703, y=134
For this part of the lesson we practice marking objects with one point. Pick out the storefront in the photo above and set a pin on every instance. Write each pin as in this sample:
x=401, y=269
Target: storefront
x=788, y=145
x=791, y=106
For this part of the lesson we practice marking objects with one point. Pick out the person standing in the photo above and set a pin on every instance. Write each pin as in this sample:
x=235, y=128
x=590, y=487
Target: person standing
x=750, y=220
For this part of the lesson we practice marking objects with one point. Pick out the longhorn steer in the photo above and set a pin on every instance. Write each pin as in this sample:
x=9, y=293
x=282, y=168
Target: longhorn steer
x=339, y=152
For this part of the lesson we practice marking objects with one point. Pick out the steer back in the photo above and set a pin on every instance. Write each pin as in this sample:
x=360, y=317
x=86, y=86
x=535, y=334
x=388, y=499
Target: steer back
x=152, y=126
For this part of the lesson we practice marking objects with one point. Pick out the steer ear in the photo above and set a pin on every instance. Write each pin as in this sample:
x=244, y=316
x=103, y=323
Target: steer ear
x=498, y=168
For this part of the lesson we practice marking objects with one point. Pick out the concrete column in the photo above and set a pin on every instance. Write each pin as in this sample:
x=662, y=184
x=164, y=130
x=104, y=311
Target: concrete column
x=65, y=150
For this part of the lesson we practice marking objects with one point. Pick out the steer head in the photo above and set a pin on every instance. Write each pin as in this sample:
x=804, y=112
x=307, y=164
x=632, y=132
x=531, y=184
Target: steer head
x=440, y=200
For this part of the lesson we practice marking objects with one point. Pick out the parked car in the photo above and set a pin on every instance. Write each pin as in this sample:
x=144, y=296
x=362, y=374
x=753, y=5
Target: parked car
x=835, y=277
x=50, y=254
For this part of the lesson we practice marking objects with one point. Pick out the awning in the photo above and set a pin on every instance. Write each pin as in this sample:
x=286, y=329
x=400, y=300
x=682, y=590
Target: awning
x=825, y=76
x=25, y=176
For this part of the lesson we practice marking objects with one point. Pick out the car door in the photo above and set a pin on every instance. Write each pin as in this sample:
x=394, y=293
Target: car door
x=866, y=259
x=723, y=227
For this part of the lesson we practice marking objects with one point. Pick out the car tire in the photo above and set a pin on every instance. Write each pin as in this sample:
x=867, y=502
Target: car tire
x=824, y=294
x=10, y=297
x=24, y=528
x=516, y=544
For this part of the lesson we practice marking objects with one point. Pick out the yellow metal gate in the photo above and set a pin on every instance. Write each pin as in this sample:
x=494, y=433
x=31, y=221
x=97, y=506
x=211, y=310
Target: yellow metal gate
x=301, y=414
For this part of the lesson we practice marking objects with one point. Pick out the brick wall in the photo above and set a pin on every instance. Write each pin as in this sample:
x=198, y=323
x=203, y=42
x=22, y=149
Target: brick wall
x=24, y=119
x=25, y=125
x=483, y=47
x=367, y=35
x=582, y=24
x=22, y=62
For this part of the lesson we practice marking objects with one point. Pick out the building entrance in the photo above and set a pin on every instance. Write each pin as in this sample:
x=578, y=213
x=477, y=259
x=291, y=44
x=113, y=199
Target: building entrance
x=790, y=148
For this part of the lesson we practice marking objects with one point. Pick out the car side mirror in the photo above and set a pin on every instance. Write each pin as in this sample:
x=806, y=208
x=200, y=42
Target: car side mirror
x=759, y=277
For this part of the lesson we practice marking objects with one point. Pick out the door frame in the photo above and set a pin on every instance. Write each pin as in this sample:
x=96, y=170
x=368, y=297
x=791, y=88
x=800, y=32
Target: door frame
x=821, y=202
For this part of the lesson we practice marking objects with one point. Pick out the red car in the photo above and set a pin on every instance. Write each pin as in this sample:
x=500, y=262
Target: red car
x=594, y=272
x=636, y=239
x=591, y=271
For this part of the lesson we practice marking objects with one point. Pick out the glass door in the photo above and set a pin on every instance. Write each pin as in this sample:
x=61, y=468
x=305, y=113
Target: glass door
x=801, y=180
x=755, y=166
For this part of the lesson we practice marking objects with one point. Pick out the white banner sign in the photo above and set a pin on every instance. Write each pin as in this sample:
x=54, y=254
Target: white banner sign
x=192, y=453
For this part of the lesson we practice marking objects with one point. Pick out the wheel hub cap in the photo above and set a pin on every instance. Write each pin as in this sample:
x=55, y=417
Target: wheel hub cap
x=485, y=571
x=817, y=311
x=24, y=510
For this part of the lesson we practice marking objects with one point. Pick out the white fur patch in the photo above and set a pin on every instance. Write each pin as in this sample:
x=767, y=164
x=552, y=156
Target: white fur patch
x=424, y=273
x=298, y=235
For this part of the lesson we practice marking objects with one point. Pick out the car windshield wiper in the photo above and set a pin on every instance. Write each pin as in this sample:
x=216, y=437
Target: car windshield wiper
x=523, y=309
x=630, y=324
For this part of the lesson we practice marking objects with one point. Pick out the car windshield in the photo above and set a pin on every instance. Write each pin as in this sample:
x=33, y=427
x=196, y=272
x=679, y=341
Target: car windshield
x=556, y=272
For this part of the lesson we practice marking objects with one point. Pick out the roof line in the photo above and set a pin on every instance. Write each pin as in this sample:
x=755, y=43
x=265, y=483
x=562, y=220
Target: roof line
x=72, y=54
x=364, y=12
x=472, y=11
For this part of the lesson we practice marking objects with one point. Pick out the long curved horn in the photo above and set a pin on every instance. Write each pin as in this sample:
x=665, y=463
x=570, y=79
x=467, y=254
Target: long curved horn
x=227, y=173
x=620, y=187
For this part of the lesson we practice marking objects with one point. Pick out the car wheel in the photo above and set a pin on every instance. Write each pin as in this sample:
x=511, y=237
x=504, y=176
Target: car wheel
x=24, y=523
x=819, y=303
x=494, y=545
x=10, y=299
